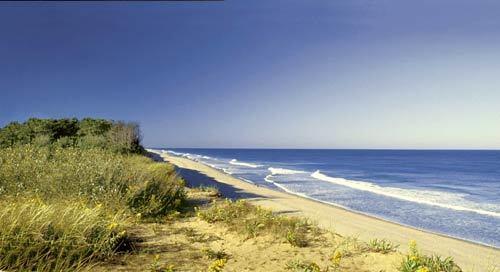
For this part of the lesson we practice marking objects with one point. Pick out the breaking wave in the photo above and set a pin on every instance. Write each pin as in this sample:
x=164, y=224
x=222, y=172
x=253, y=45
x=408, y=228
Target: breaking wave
x=284, y=171
x=247, y=164
x=434, y=198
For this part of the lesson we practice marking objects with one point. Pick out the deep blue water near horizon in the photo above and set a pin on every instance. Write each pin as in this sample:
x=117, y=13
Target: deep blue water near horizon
x=451, y=192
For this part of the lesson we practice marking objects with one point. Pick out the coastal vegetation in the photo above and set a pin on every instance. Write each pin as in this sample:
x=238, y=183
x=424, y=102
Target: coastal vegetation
x=415, y=261
x=83, y=195
x=70, y=190
x=87, y=133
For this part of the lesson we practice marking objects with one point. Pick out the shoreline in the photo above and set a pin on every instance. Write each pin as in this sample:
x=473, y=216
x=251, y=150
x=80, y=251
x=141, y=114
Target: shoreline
x=382, y=219
x=468, y=254
x=283, y=190
x=300, y=195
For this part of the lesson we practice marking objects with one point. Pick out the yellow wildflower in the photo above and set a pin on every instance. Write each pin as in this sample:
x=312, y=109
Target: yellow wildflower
x=423, y=269
x=336, y=258
x=217, y=265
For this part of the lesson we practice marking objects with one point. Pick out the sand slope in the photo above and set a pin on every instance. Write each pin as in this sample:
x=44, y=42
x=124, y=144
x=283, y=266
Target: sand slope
x=470, y=256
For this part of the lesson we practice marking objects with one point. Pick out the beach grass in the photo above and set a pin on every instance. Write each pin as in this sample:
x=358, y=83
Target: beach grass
x=381, y=245
x=95, y=176
x=35, y=236
x=65, y=208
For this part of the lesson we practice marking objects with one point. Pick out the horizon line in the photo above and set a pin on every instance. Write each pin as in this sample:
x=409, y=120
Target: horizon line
x=300, y=148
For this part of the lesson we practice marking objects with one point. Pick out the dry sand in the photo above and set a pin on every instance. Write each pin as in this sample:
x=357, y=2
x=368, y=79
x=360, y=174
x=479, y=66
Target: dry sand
x=470, y=256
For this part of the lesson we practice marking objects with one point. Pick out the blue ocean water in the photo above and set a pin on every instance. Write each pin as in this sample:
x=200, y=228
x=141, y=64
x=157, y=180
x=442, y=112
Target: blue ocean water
x=451, y=192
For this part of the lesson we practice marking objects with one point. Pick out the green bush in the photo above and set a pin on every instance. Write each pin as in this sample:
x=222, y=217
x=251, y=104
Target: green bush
x=117, y=136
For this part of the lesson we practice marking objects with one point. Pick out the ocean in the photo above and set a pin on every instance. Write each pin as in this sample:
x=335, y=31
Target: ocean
x=450, y=192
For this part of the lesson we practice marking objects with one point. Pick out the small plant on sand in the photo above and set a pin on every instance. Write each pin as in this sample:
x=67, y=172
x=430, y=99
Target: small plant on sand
x=157, y=267
x=215, y=254
x=415, y=261
x=382, y=246
x=220, y=259
x=302, y=266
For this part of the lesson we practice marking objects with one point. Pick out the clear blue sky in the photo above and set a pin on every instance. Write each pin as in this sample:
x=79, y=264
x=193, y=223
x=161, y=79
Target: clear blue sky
x=307, y=74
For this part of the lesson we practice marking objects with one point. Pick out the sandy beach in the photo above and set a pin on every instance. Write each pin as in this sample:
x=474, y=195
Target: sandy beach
x=470, y=256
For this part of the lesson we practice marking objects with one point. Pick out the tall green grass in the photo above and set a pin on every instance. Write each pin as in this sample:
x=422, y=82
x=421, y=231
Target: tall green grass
x=64, y=208
x=97, y=176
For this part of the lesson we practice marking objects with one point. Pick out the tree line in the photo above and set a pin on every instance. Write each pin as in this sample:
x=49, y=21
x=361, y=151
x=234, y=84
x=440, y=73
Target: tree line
x=119, y=136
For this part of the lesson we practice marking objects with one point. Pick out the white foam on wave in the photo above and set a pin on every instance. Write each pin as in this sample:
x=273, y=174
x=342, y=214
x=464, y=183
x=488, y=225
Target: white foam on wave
x=281, y=171
x=247, y=164
x=268, y=179
x=434, y=198
x=284, y=171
